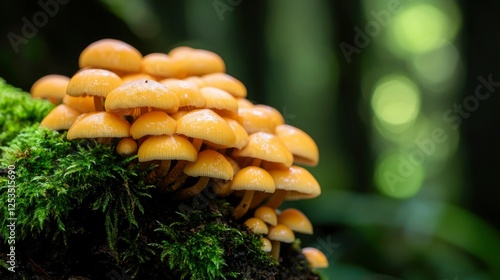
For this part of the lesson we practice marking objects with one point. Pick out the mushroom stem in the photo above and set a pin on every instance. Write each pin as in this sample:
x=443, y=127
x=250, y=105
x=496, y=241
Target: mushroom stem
x=242, y=208
x=98, y=103
x=275, y=250
x=276, y=199
x=257, y=199
x=194, y=189
x=176, y=177
x=163, y=168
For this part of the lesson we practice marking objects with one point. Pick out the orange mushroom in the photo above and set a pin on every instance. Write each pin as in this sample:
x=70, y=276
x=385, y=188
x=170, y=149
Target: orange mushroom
x=111, y=54
x=50, y=87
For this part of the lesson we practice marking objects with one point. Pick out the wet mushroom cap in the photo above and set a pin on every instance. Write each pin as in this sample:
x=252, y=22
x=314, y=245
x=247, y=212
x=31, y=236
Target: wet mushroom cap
x=257, y=225
x=207, y=125
x=281, y=233
x=302, y=146
x=84, y=104
x=265, y=146
x=227, y=83
x=210, y=164
x=127, y=146
x=187, y=92
x=159, y=65
x=153, y=123
x=93, y=82
x=99, y=125
x=111, y=54
x=51, y=87
x=167, y=147
x=196, y=62
x=295, y=220
x=266, y=245
x=267, y=214
x=61, y=117
x=219, y=99
x=125, y=99
x=253, y=178
x=315, y=257
x=297, y=181
x=256, y=120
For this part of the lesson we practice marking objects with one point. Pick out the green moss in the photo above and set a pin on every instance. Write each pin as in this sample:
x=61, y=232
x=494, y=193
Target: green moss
x=18, y=110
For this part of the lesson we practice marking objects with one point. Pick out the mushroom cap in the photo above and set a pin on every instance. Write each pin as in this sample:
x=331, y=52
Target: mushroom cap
x=210, y=164
x=98, y=125
x=84, y=104
x=136, y=76
x=265, y=146
x=111, y=54
x=167, y=147
x=93, y=82
x=267, y=214
x=253, y=178
x=240, y=134
x=244, y=103
x=266, y=245
x=187, y=92
x=207, y=125
x=52, y=87
x=196, y=62
x=195, y=79
x=315, y=257
x=304, y=149
x=153, y=123
x=275, y=115
x=299, y=182
x=257, y=225
x=219, y=99
x=61, y=117
x=295, y=220
x=127, y=146
x=227, y=83
x=256, y=120
x=281, y=233
x=159, y=65
x=125, y=99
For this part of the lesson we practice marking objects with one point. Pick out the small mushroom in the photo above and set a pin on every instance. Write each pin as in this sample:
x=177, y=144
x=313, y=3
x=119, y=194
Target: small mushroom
x=93, y=82
x=61, y=117
x=250, y=179
x=315, y=257
x=101, y=125
x=159, y=65
x=111, y=54
x=295, y=220
x=267, y=214
x=257, y=225
x=225, y=82
x=304, y=149
x=126, y=147
x=153, y=123
x=266, y=245
x=277, y=234
x=209, y=164
x=265, y=146
x=196, y=62
x=187, y=92
x=84, y=104
x=220, y=101
x=50, y=87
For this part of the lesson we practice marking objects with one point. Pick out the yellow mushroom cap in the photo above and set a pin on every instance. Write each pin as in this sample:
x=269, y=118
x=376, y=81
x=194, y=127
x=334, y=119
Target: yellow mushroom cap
x=99, y=125
x=299, y=182
x=266, y=245
x=195, y=79
x=159, y=65
x=257, y=225
x=51, y=87
x=253, y=178
x=244, y=103
x=167, y=147
x=267, y=214
x=210, y=164
x=127, y=146
x=84, y=104
x=265, y=146
x=61, y=117
x=187, y=92
x=127, y=98
x=137, y=76
x=219, y=99
x=93, y=82
x=295, y=220
x=281, y=233
x=227, y=83
x=207, y=125
x=256, y=120
x=315, y=257
x=153, y=123
x=273, y=113
x=302, y=146
x=111, y=54
x=196, y=62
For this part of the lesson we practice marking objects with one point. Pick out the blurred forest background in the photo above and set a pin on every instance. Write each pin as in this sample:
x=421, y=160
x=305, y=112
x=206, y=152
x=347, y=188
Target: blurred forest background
x=400, y=96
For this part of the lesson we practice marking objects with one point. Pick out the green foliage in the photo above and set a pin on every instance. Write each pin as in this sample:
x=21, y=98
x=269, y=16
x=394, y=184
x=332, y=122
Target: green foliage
x=18, y=110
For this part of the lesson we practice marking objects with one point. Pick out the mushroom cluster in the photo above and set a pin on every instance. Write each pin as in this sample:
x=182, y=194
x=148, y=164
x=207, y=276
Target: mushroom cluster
x=181, y=112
